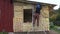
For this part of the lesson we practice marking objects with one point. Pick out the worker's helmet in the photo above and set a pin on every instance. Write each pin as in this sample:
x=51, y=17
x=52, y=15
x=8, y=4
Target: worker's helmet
x=38, y=5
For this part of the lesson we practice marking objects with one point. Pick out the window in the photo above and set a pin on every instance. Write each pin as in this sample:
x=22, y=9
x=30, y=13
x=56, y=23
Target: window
x=27, y=15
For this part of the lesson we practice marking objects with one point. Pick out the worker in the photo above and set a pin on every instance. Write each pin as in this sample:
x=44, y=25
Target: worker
x=36, y=14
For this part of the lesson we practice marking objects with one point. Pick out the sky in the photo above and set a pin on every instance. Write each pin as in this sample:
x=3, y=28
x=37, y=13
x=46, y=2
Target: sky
x=50, y=1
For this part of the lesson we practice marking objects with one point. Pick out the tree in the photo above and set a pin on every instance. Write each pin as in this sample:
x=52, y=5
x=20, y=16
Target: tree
x=55, y=17
x=57, y=21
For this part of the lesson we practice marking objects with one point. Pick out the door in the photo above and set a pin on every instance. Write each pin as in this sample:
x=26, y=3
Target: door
x=6, y=16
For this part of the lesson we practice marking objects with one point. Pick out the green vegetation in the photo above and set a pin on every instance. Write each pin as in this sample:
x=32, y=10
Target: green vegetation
x=55, y=17
x=3, y=33
x=55, y=28
x=55, y=20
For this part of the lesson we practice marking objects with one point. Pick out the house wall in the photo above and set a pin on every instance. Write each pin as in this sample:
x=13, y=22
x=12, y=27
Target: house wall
x=19, y=25
x=44, y=18
x=18, y=17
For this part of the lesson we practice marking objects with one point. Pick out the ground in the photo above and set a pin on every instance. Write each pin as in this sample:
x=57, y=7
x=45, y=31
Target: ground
x=50, y=32
x=53, y=32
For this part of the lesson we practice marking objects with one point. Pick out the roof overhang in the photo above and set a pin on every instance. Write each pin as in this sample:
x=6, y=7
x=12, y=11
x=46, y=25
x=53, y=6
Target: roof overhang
x=33, y=2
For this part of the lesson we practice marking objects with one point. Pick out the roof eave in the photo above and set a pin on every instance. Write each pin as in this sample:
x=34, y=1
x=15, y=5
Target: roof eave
x=33, y=2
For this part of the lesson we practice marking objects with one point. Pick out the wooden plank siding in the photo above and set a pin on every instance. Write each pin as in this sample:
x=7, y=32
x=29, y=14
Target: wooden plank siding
x=6, y=16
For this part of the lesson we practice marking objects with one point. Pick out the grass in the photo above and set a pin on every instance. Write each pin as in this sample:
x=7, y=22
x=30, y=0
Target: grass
x=3, y=33
x=55, y=29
